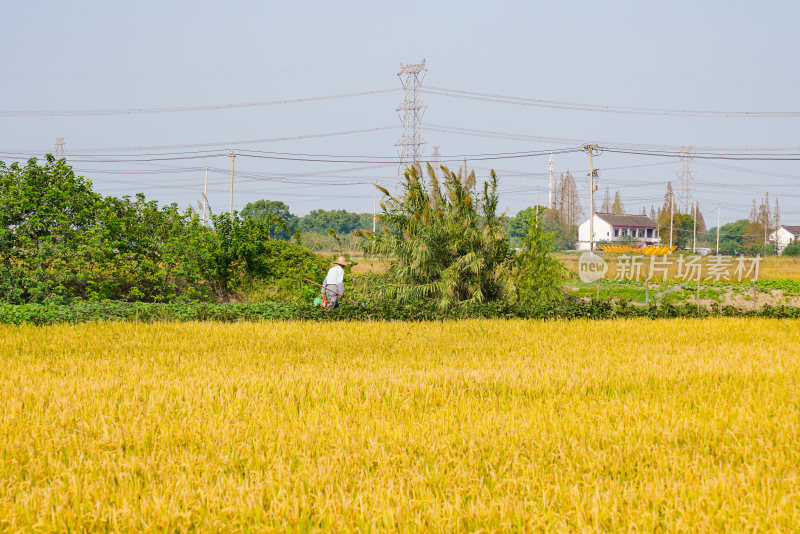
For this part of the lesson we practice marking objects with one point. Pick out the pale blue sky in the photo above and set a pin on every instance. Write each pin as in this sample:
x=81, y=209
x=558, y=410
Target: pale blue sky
x=685, y=55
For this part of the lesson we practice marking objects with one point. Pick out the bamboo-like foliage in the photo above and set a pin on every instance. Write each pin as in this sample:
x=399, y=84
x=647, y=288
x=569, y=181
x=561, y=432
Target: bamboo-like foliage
x=446, y=240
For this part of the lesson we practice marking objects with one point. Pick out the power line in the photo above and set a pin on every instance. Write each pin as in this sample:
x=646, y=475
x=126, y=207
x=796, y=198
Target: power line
x=300, y=156
x=742, y=156
x=180, y=109
x=575, y=140
x=629, y=110
x=232, y=143
x=364, y=159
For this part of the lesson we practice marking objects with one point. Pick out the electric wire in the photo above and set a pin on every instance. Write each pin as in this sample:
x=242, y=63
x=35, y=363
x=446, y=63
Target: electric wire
x=574, y=106
x=181, y=109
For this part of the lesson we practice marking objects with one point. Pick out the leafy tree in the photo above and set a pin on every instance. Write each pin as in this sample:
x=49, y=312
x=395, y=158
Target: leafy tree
x=566, y=201
x=270, y=210
x=681, y=234
x=60, y=241
x=517, y=226
x=539, y=274
x=447, y=240
x=365, y=221
x=752, y=234
x=564, y=235
x=342, y=222
x=669, y=202
x=45, y=213
x=240, y=250
x=730, y=237
x=682, y=229
x=701, y=221
x=617, y=208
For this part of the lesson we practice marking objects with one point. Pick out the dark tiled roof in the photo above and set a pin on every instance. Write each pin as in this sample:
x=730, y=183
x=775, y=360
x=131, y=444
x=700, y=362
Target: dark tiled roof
x=636, y=221
x=793, y=229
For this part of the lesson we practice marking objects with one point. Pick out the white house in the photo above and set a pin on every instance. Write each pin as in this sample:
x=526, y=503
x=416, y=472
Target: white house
x=610, y=227
x=785, y=235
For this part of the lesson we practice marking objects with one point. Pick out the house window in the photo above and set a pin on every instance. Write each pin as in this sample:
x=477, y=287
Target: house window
x=649, y=232
x=616, y=232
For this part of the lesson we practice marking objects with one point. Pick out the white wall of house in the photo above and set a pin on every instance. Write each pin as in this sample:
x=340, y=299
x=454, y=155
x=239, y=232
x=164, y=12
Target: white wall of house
x=603, y=231
x=782, y=237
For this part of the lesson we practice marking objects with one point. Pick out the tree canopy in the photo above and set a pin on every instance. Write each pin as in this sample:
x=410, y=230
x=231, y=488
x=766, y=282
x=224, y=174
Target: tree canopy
x=341, y=221
x=270, y=210
x=59, y=241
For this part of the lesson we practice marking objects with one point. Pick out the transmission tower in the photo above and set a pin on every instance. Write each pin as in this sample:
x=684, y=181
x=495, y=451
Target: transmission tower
x=59, y=152
x=687, y=178
x=411, y=111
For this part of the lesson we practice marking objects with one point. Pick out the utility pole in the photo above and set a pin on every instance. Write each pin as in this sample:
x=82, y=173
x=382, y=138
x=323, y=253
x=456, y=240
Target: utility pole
x=687, y=176
x=550, y=184
x=591, y=150
x=717, y=229
x=231, y=200
x=694, y=230
x=671, y=215
x=205, y=198
x=374, y=206
x=59, y=147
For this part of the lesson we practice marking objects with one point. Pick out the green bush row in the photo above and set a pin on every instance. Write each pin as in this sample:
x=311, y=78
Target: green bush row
x=41, y=314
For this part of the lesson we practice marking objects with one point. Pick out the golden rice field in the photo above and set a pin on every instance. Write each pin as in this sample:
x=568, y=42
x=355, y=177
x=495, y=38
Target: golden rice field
x=681, y=425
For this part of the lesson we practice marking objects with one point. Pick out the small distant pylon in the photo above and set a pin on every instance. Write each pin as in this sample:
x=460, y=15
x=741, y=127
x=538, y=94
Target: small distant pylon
x=435, y=157
x=411, y=110
x=687, y=177
x=60, y=144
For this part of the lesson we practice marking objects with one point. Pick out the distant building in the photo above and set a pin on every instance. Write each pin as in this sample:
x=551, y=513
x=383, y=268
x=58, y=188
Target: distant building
x=610, y=228
x=784, y=235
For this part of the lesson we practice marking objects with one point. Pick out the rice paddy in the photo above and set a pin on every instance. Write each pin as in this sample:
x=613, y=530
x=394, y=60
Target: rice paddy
x=484, y=425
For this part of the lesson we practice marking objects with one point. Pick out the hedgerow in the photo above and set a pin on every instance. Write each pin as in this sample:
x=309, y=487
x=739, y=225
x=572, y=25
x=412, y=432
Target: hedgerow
x=41, y=314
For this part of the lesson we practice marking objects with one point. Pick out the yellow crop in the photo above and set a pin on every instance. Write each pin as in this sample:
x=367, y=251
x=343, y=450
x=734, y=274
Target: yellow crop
x=642, y=425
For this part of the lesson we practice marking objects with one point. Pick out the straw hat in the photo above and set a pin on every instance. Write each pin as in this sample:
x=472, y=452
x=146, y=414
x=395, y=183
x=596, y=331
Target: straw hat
x=341, y=261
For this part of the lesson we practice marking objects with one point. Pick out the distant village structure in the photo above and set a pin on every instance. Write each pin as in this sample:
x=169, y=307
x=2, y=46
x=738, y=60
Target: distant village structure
x=611, y=228
x=785, y=235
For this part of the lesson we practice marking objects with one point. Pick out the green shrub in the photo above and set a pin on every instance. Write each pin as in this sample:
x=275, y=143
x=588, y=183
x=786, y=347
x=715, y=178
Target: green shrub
x=567, y=309
x=792, y=249
x=61, y=241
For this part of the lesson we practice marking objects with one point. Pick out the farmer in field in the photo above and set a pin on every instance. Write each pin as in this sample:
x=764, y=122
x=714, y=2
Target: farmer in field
x=334, y=282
